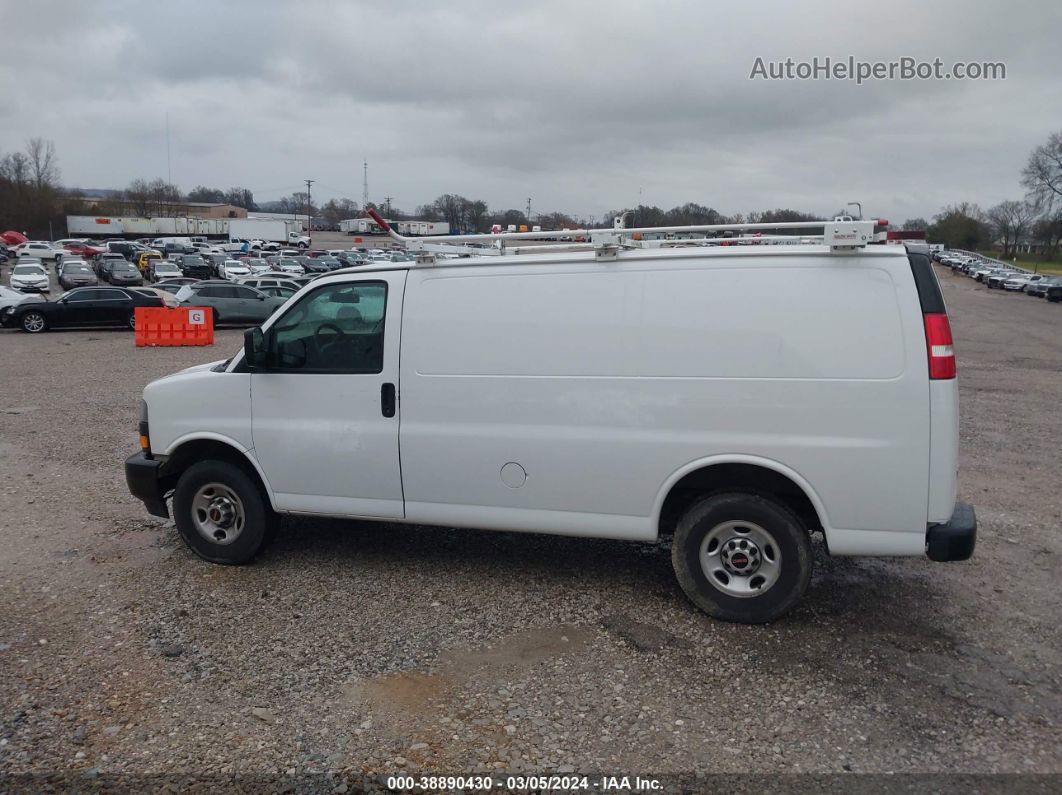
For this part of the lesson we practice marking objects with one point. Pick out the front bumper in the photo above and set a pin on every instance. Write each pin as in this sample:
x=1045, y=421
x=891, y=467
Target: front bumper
x=142, y=477
x=956, y=538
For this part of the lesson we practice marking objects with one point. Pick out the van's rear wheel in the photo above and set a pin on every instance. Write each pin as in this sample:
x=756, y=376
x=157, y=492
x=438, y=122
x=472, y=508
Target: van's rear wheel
x=742, y=557
x=221, y=513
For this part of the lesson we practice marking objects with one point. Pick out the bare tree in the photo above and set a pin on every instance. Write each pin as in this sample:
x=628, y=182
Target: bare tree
x=44, y=165
x=15, y=168
x=1011, y=221
x=138, y=195
x=1042, y=175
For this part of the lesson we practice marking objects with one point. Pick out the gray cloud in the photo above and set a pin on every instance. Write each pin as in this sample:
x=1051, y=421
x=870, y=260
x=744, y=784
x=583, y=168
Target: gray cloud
x=582, y=106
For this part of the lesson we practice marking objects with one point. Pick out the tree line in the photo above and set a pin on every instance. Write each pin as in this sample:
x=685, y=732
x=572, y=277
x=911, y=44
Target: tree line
x=32, y=200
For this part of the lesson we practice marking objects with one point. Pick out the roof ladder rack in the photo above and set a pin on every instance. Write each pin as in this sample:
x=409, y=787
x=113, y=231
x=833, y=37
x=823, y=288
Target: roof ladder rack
x=842, y=234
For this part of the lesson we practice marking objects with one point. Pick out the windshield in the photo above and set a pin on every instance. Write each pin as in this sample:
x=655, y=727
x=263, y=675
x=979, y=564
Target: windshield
x=76, y=268
x=25, y=270
x=166, y=266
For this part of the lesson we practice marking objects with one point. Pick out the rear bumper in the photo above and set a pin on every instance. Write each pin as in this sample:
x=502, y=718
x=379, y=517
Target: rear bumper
x=142, y=477
x=956, y=538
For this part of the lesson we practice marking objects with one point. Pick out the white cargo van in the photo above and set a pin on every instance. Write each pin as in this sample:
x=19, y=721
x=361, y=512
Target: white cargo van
x=736, y=398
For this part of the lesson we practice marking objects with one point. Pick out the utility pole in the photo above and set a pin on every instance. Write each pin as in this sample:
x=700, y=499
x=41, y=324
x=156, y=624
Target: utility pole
x=529, y=210
x=309, y=206
x=387, y=204
x=365, y=185
x=169, y=170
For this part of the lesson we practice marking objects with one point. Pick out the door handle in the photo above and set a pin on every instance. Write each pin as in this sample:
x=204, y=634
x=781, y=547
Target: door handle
x=387, y=400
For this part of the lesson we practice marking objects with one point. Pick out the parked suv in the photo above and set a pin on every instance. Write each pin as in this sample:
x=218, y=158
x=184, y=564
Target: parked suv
x=735, y=400
x=194, y=266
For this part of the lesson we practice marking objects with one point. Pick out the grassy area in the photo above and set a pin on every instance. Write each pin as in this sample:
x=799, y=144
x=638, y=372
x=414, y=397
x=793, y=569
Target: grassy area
x=1040, y=263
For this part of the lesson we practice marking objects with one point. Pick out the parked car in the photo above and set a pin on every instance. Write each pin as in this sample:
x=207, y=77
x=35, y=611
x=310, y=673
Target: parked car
x=85, y=306
x=279, y=291
x=9, y=299
x=1054, y=292
x=215, y=261
x=122, y=273
x=1020, y=282
x=232, y=270
x=352, y=259
x=290, y=265
x=996, y=279
x=173, y=286
x=159, y=269
x=77, y=274
x=169, y=300
x=194, y=266
x=235, y=304
x=83, y=250
x=40, y=250
x=854, y=435
x=257, y=265
x=270, y=280
x=312, y=264
x=66, y=262
x=100, y=265
x=143, y=260
x=70, y=241
x=1039, y=289
x=29, y=276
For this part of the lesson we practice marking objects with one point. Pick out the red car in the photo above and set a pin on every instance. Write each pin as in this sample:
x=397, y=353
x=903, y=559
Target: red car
x=83, y=249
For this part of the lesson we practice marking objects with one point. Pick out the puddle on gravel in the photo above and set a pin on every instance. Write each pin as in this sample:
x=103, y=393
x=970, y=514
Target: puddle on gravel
x=414, y=692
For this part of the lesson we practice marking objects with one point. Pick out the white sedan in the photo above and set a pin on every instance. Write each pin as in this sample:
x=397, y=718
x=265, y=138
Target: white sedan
x=233, y=269
x=29, y=276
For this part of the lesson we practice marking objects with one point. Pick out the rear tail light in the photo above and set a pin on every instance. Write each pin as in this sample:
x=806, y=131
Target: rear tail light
x=939, y=347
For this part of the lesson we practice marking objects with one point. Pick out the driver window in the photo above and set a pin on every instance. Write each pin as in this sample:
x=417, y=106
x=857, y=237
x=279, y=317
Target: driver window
x=335, y=329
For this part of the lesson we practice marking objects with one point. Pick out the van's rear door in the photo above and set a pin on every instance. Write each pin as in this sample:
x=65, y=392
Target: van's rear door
x=325, y=417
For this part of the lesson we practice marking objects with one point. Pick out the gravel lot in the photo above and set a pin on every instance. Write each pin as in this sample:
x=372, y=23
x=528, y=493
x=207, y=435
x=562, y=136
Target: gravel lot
x=354, y=648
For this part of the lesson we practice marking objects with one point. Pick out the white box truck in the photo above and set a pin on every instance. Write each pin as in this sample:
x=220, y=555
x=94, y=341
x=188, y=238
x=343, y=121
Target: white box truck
x=268, y=231
x=735, y=399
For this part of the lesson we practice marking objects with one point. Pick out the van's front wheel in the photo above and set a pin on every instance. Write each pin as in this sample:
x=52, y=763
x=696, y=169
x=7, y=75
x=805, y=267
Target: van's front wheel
x=221, y=513
x=742, y=557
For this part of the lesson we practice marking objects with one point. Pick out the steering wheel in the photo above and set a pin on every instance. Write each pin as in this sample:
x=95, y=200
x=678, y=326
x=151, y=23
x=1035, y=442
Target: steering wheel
x=319, y=342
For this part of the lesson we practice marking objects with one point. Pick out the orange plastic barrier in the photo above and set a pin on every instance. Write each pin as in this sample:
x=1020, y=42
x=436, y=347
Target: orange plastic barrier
x=183, y=326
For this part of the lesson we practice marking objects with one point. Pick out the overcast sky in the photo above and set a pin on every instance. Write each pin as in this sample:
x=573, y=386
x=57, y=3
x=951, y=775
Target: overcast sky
x=582, y=106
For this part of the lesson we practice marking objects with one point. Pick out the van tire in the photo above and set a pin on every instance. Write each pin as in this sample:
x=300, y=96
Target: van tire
x=722, y=517
x=220, y=478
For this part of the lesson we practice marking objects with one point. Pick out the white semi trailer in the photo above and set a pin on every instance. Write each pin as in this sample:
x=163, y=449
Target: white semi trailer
x=366, y=226
x=268, y=231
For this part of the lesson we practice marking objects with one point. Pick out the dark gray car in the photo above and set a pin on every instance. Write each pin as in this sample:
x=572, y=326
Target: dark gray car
x=235, y=304
x=121, y=273
x=75, y=274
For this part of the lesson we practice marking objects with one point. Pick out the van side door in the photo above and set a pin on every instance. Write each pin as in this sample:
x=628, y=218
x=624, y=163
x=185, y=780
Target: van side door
x=325, y=411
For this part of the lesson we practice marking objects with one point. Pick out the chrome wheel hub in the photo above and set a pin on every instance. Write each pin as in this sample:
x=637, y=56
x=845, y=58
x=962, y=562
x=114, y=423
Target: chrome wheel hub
x=741, y=559
x=217, y=513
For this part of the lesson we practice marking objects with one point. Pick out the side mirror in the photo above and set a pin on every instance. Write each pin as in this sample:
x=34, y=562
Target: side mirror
x=255, y=349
